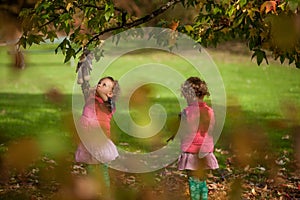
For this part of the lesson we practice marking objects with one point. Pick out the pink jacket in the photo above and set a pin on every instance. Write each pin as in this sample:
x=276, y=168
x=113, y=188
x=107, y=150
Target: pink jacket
x=95, y=113
x=199, y=120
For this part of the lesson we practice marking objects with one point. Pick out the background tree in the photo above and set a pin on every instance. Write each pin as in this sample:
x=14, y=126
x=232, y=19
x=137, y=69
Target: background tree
x=265, y=26
x=10, y=27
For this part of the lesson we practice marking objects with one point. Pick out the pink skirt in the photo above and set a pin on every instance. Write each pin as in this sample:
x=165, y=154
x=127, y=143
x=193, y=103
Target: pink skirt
x=191, y=161
x=95, y=147
x=96, y=154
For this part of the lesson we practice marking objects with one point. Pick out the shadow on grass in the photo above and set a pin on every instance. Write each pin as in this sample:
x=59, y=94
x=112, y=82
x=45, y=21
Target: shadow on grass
x=32, y=115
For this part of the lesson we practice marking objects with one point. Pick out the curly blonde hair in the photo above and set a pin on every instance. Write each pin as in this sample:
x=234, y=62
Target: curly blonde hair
x=194, y=87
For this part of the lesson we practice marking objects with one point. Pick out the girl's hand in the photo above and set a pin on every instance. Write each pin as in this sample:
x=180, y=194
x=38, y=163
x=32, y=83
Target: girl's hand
x=92, y=90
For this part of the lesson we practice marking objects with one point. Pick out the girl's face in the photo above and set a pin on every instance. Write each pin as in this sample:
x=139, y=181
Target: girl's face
x=105, y=87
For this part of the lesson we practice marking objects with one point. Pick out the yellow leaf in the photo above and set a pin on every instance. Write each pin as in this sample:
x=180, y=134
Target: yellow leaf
x=85, y=41
x=69, y=6
x=188, y=28
x=251, y=14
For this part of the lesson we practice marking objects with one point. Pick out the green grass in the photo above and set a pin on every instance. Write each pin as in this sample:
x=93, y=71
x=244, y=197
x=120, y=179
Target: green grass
x=258, y=97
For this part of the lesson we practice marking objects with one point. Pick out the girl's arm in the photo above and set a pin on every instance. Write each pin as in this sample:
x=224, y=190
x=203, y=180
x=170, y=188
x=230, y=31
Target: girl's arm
x=92, y=90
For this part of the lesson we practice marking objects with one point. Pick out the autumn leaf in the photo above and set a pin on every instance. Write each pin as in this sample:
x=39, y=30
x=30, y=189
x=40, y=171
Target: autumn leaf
x=174, y=25
x=189, y=28
x=69, y=5
x=22, y=154
x=268, y=6
x=253, y=191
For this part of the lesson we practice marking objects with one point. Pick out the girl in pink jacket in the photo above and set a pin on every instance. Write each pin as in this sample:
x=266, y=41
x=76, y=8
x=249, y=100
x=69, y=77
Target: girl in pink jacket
x=95, y=147
x=197, y=143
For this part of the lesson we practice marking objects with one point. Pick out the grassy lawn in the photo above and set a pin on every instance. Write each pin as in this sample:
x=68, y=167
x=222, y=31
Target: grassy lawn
x=261, y=121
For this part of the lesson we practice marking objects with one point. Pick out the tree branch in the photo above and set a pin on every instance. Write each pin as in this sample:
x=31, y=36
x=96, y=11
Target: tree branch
x=137, y=22
x=56, y=17
x=97, y=7
x=49, y=22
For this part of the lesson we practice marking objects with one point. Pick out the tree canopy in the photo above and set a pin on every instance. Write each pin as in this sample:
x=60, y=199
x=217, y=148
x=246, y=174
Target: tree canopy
x=265, y=26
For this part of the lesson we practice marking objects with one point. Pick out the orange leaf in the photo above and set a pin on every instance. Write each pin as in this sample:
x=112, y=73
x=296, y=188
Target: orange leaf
x=268, y=6
x=174, y=25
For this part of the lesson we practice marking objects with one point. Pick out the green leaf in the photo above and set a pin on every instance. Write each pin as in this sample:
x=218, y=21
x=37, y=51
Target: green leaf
x=22, y=42
x=282, y=58
x=230, y=11
x=217, y=10
x=46, y=16
x=63, y=45
x=238, y=21
x=67, y=29
x=260, y=56
x=109, y=11
x=34, y=39
x=297, y=64
x=51, y=36
x=243, y=2
x=188, y=28
x=69, y=53
x=106, y=7
x=293, y=4
x=291, y=60
x=107, y=15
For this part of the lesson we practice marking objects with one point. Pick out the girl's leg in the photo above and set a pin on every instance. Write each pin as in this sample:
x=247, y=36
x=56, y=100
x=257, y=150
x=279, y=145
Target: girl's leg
x=101, y=173
x=105, y=174
x=100, y=170
x=91, y=169
x=198, y=184
x=194, y=188
x=203, y=190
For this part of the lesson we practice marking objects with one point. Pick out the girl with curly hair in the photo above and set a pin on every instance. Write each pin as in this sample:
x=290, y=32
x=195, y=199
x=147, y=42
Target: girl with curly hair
x=197, y=143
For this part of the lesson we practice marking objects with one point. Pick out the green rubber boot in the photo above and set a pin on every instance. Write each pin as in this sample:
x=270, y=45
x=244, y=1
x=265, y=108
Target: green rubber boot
x=194, y=188
x=101, y=173
x=108, y=195
x=105, y=174
x=203, y=190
